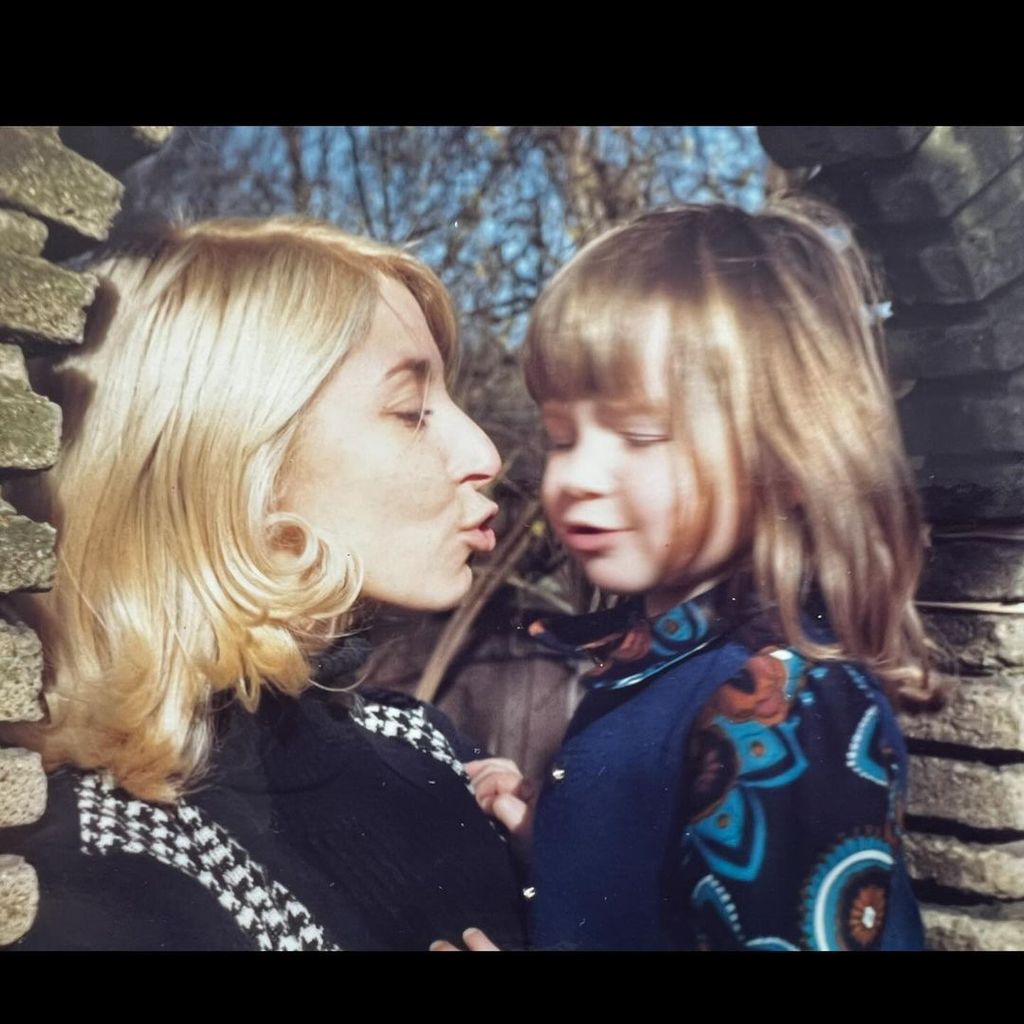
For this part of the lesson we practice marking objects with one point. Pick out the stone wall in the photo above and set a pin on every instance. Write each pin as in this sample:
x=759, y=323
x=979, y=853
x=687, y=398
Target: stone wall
x=942, y=208
x=58, y=196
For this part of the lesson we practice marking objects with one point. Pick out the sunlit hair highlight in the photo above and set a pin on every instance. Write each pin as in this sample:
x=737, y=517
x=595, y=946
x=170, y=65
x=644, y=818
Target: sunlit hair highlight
x=771, y=317
x=179, y=582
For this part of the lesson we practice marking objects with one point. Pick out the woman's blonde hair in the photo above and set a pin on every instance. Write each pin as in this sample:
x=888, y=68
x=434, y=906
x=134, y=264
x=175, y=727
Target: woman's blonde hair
x=774, y=317
x=178, y=580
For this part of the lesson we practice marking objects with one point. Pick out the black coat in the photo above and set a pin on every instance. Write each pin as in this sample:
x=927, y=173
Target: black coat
x=318, y=827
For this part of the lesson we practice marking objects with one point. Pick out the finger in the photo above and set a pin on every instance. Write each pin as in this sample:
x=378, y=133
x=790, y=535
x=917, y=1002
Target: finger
x=512, y=812
x=496, y=780
x=477, y=941
x=473, y=768
x=440, y=946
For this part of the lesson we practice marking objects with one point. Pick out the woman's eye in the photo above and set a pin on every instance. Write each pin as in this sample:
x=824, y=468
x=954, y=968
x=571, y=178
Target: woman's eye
x=414, y=418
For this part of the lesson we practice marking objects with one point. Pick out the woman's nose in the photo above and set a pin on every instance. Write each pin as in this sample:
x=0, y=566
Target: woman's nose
x=475, y=459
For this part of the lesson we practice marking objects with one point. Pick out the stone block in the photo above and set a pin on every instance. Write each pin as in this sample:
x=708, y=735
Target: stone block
x=965, y=258
x=29, y=427
x=962, y=424
x=957, y=350
x=19, y=897
x=999, y=927
x=41, y=176
x=985, y=713
x=21, y=673
x=12, y=365
x=995, y=869
x=21, y=233
x=979, y=642
x=973, y=570
x=40, y=301
x=979, y=795
x=27, y=558
x=810, y=145
x=968, y=490
x=115, y=147
x=22, y=787
x=951, y=165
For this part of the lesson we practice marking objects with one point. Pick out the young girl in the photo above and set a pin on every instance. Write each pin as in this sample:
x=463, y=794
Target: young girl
x=724, y=450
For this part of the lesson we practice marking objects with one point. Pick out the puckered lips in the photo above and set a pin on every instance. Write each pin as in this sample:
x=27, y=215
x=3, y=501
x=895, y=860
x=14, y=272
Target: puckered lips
x=478, y=535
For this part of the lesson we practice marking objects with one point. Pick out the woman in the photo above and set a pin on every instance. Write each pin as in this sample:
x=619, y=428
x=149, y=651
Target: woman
x=257, y=434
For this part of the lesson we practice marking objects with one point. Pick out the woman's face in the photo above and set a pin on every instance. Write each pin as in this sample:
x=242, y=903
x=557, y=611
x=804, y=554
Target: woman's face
x=398, y=491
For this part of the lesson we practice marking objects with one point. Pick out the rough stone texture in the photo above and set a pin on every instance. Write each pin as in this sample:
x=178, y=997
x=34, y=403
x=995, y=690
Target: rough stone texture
x=994, y=928
x=21, y=673
x=114, y=147
x=962, y=424
x=809, y=145
x=21, y=233
x=979, y=795
x=979, y=642
x=981, y=346
x=22, y=787
x=954, y=163
x=967, y=257
x=41, y=301
x=12, y=365
x=965, y=489
x=991, y=870
x=981, y=713
x=29, y=424
x=27, y=558
x=973, y=570
x=19, y=898
x=41, y=176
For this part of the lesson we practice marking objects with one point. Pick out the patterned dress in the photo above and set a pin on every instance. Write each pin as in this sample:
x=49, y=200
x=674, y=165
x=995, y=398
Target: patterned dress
x=716, y=790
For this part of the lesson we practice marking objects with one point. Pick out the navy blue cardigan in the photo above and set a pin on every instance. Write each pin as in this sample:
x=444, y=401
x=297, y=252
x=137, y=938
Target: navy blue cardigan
x=715, y=790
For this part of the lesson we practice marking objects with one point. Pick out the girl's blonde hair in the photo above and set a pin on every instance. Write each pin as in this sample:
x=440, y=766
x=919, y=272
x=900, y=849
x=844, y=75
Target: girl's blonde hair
x=774, y=317
x=178, y=580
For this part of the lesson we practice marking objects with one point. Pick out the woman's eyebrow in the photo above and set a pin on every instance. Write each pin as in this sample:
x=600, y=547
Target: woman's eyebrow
x=419, y=368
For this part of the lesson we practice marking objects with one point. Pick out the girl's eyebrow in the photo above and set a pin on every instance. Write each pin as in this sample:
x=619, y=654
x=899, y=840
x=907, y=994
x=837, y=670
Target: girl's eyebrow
x=636, y=407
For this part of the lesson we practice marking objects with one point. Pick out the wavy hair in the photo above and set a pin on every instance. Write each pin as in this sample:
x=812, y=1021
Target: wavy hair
x=773, y=316
x=179, y=583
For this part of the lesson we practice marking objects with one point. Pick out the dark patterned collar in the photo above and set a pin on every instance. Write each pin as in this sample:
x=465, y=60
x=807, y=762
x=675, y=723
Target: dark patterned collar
x=628, y=647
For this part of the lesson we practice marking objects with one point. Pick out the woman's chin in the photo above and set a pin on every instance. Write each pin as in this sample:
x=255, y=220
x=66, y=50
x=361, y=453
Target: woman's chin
x=434, y=594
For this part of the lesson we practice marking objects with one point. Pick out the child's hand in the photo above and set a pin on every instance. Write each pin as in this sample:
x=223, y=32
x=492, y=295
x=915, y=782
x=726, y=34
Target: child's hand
x=503, y=793
x=476, y=941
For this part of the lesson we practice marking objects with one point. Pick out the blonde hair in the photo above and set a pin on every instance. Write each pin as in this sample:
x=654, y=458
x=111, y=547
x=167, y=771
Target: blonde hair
x=772, y=317
x=178, y=580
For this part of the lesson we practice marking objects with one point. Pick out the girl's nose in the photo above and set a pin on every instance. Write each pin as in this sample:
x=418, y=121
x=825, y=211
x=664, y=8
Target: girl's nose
x=584, y=471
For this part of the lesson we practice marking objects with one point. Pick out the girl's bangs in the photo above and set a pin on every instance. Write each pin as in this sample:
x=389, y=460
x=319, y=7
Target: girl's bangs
x=589, y=344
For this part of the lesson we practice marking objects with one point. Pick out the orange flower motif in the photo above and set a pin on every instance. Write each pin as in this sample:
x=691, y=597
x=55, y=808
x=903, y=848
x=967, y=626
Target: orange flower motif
x=867, y=914
x=764, y=700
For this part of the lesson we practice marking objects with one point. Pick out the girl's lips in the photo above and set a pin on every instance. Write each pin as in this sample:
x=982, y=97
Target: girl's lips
x=589, y=539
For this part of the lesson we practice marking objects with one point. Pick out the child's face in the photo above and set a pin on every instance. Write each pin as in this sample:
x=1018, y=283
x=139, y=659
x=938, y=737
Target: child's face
x=623, y=495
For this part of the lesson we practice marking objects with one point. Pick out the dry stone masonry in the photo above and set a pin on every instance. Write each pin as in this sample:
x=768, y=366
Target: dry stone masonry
x=942, y=209
x=58, y=194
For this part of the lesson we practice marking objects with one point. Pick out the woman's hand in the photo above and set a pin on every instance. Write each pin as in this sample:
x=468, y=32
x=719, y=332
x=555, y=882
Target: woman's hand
x=502, y=792
x=476, y=942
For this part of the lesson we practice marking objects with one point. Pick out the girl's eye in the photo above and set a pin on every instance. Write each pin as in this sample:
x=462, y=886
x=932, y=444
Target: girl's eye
x=638, y=440
x=553, y=444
